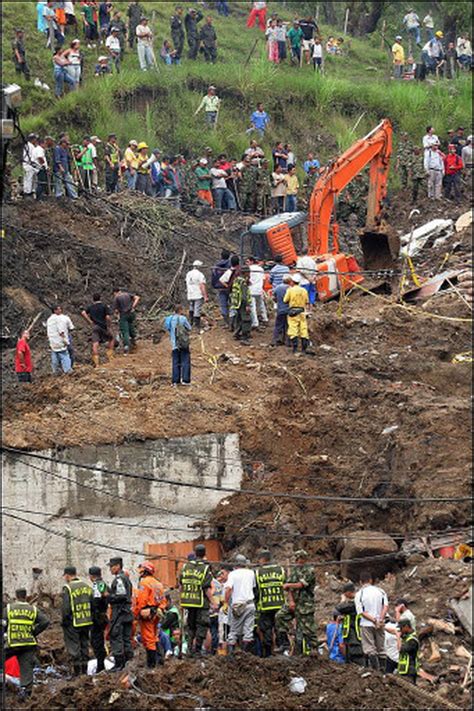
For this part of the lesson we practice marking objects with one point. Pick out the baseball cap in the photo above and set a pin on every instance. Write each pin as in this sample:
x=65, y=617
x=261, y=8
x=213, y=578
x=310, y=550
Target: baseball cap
x=197, y=263
x=96, y=139
x=203, y=161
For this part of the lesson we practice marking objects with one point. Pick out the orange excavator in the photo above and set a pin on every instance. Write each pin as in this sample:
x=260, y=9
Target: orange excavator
x=380, y=248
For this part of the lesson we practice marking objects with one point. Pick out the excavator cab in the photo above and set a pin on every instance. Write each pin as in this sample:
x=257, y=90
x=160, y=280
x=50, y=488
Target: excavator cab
x=279, y=234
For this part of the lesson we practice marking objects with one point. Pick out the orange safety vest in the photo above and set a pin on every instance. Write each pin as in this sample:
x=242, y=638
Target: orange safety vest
x=150, y=593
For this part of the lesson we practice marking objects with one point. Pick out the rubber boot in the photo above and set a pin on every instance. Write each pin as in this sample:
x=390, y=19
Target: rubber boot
x=100, y=665
x=96, y=361
x=109, y=354
x=76, y=668
x=383, y=663
x=151, y=658
x=197, y=322
x=247, y=647
x=294, y=344
x=198, y=647
x=374, y=662
x=267, y=650
x=84, y=666
x=191, y=317
x=119, y=663
x=304, y=344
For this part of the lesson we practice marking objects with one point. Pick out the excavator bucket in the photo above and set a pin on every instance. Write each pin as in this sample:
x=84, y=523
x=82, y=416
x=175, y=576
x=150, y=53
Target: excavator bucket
x=380, y=249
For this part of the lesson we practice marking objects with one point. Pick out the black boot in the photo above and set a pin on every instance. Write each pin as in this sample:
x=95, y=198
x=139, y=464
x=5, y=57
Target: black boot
x=197, y=322
x=191, y=316
x=76, y=668
x=267, y=650
x=100, y=664
x=151, y=658
x=374, y=662
x=382, y=663
x=304, y=344
x=294, y=344
x=247, y=647
x=119, y=663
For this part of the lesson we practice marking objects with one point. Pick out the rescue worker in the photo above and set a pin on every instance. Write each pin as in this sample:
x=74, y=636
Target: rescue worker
x=263, y=186
x=247, y=186
x=150, y=601
x=408, y=663
x=300, y=606
x=310, y=182
x=270, y=597
x=177, y=32
x=76, y=618
x=100, y=603
x=191, y=20
x=298, y=300
x=23, y=622
x=121, y=618
x=351, y=626
x=404, y=158
x=416, y=172
x=195, y=584
x=241, y=306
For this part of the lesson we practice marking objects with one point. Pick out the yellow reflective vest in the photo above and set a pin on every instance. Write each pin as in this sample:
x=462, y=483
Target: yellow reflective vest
x=80, y=595
x=193, y=576
x=21, y=618
x=270, y=579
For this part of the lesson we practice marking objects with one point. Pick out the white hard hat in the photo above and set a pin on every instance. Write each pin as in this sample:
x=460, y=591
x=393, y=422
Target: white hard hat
x=296, y=277
x=203, y=161
x=197, y=263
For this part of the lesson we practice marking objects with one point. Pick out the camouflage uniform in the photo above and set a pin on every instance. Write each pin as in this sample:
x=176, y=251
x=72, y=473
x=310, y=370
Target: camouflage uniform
x=189, y=182
x=306, y=634
x=417, y=173
x=404, y=156
x=263, y=191
x=309, y=183
x=240, y=307
x=247, y=188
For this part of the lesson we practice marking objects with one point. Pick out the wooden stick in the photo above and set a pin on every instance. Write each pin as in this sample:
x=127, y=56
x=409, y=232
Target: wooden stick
x=28, y=328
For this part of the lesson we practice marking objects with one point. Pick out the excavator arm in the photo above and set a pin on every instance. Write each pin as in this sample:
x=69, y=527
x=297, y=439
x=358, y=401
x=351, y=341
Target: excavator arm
x=376, y=149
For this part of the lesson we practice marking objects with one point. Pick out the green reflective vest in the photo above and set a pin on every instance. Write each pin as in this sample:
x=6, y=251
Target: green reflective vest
x=87, y=161
x=346, y=626
x=270, y=579
x=192, y=579
x=21, y=618
x=409, y=663
x=80, y=594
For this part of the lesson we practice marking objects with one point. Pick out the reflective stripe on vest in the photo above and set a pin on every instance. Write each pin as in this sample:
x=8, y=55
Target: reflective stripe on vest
x=80, y=594
x=404, y=658
x=270, y=579
x=346, y=626
x=21, y=617
x=192, y=579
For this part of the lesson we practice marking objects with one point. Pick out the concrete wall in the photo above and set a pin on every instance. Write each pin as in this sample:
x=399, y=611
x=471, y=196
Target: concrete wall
x=36, y=485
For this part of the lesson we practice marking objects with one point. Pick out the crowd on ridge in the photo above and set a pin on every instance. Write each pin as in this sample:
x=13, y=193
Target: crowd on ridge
x=215, y=609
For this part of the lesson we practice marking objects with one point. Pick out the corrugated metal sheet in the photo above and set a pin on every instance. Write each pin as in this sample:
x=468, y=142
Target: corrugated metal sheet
x=170, y=557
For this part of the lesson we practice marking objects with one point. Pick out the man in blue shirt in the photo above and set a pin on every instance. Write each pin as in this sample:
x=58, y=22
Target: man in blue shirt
x=278, y=271
x=281, y=321
x=178, y=327
x=335, y=641
x=63, y=180
x=310, y=162
x=259, y=120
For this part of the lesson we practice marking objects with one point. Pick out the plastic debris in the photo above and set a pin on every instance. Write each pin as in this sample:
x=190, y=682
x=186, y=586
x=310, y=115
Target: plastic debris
x=298, y=685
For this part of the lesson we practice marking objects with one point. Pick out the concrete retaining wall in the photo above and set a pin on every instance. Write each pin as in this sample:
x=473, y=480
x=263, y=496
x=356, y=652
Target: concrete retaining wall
x=60, y=490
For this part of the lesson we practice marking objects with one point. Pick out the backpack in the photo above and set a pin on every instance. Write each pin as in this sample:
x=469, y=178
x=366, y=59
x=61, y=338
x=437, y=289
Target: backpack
x=182, y=336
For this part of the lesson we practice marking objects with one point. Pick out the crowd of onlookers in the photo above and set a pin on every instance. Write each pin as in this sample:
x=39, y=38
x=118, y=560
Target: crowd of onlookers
x=437, y=57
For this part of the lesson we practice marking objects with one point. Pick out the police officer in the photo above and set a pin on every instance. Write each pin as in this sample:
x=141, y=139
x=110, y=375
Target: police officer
x=76, y=618
x=100, y=595
x=409, y=646
x=195, y=584
x=300, y=606
x=191, y=20
x=23, y=622
x=351, y=626
x=177, y=31
x=121, y=620
x=270, y=597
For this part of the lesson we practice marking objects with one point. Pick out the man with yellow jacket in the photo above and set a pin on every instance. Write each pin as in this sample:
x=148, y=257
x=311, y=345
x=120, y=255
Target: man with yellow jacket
x=149, y=603
x=297, y=299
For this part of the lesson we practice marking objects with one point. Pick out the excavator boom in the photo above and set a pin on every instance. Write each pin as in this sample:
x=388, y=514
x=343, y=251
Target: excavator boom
x=375, y=149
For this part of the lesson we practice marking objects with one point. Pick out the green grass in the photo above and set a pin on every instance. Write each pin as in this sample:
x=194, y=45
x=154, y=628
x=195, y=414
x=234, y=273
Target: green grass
x=312, y=112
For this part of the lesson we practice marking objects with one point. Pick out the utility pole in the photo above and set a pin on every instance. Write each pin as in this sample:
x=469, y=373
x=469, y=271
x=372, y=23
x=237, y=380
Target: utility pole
x=346, y=21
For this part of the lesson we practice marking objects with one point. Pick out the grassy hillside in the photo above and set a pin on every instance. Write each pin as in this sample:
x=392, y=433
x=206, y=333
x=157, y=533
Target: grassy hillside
x=311, y=112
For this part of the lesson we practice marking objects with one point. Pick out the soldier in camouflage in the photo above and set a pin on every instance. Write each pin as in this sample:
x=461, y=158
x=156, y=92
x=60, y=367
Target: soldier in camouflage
x=300, y=607
x=310, y=182
x=247, y=186
x=417, y=172
x=404, y=157
x=263, y=189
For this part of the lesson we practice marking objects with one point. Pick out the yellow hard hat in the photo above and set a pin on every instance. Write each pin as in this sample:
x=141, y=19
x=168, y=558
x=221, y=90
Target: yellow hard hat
x=439, y=34
x=142, y=145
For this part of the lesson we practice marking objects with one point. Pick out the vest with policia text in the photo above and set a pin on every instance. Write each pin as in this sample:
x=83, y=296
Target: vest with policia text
x=80, y=594
x=270, y=579
x=408, y=662
x=192, y=578
x=21, y=618
x=346, y=626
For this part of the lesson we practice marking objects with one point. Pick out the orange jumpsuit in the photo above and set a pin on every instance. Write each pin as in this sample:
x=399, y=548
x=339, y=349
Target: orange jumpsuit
x=150, y=593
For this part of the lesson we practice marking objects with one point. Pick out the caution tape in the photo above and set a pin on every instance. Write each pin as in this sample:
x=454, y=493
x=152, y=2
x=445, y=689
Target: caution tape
x=462, y=358
x=414, y=276
x=211, y=359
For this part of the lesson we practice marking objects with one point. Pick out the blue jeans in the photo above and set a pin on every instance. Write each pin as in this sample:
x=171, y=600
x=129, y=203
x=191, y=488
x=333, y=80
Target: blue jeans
x=429, y=33
x=211, y=117
x=61, y=76
x=61, y=360
x=165, y=642
x=291, y=203
x=223, y=8
x=181, y=363
x=223, y=296
x=415, y=33
x=220, y=194
x=64, y=182
x=131, y=179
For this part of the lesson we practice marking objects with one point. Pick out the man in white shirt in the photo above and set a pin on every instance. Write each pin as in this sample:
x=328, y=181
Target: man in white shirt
x=58, y=329
x=434, y=166
x=146, y=56
x=112, y=44
x=412, y=23
x=196, y=293
x=372, y=604
x=429, y=139
x=307, y=267
x=41, y=163
x=428, y=24
x=239, y=595
x=30, y=168
x=222, y=194
x=257, y=279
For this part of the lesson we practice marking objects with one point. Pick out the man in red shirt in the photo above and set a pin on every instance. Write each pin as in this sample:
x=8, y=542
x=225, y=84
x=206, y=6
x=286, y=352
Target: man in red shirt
x=23, y=362
x=453, y=166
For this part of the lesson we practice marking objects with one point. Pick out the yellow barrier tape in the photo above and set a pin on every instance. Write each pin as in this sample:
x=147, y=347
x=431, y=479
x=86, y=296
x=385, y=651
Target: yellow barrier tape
x=211, y=359
x=414, y=276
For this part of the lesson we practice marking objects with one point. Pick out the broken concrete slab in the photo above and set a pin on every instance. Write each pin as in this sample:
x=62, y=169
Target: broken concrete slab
x=413, y=242
x=366, y=544
x=463, y=610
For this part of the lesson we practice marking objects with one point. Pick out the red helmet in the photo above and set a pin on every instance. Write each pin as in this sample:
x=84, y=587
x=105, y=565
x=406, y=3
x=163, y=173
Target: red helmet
x=149, y=567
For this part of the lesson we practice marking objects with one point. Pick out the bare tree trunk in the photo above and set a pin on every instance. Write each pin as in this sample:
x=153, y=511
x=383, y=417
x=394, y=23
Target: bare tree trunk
x=329, y=12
